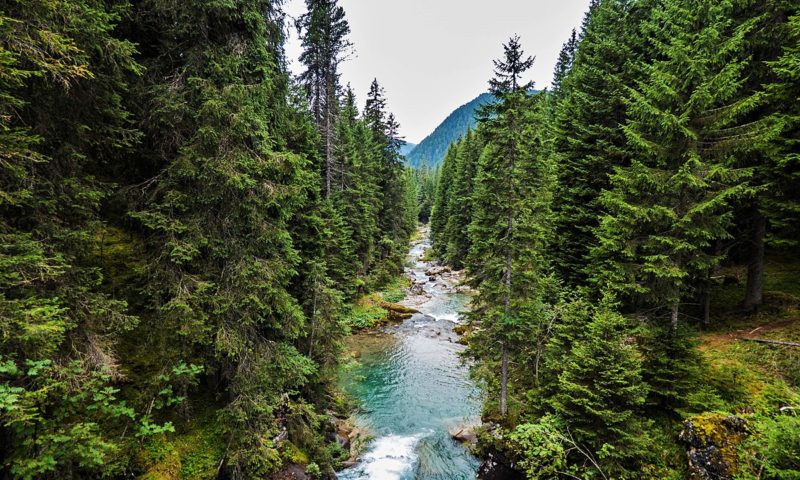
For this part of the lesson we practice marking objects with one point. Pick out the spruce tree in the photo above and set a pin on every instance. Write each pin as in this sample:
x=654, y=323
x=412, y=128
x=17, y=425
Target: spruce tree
x=588, y=141
x=564, y=63
x=63, y=127
x=393, y=227
x=444, y=185
x=324, y=30
x=783, y=172
x=507, y=232
x=216, y=205
x=667, y=208
x=459, y=208
x=600, y=390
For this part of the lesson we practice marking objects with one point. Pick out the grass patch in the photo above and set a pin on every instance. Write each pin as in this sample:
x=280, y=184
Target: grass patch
x=754, y=379
x=395, y=291
x=758, y=382
x=429, y=255
x=369, y=311
x=365, y=313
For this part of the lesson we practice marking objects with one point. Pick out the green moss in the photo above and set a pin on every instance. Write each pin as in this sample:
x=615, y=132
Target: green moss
x=719, y=430
x=194, y=452
x=365, y=313
x=293, y=454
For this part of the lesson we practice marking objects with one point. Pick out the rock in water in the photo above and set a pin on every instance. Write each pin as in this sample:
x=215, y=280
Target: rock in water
x=712, y=441
x=432, y=272
x=464, y=435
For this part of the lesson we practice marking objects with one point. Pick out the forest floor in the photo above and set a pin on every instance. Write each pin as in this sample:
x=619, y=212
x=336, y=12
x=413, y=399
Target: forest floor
x=755, y=373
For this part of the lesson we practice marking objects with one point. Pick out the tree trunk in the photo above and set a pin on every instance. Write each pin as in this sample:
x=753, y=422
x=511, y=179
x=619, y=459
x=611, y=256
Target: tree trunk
x=754, y=296
x=709, y=285
x=328, y=144
x=507, y=310
x=674, y=320
x=504, y=383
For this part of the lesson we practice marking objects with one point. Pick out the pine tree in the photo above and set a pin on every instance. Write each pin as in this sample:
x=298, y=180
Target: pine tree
x=564, y=63
x=393, y=227
x=62, y=126
x=600, y=391
x=216, y=205
x=765, y=40
x=324, y=32
x=783, y=172
x=439, y=213
x=358, y=196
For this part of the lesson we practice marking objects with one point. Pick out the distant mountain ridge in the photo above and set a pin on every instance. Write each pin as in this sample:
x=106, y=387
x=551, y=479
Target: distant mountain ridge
x=434, y=147
x=407, y=148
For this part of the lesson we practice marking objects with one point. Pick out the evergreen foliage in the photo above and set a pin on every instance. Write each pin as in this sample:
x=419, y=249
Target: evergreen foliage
x=184, y=227
x=601, y=215
x=508, y=221
x=675, y=199
x=171, y=242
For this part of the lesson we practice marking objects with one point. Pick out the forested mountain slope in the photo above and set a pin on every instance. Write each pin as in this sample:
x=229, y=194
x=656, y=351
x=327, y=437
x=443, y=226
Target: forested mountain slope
x=433, y=148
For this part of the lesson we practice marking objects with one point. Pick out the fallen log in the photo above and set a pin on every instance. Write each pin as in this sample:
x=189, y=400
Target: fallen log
x=770, y=342
x=396, y=308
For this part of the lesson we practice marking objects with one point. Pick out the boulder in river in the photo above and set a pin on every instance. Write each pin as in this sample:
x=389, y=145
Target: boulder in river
x=434, y=271
x=398, y=312
x=712, y=445
x=465, y=434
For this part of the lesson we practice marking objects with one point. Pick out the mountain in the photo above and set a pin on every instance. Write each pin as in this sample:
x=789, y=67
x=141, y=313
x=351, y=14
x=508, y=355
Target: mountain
x=407, y=148
x=434, y=147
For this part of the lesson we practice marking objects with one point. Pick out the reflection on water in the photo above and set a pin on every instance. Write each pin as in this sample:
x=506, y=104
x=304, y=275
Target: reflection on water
x=413, y=389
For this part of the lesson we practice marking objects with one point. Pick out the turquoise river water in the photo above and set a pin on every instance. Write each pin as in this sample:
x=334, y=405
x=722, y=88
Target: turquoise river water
x=413, y=388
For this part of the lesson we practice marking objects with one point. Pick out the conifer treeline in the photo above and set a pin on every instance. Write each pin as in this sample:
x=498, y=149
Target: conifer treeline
x=182, y=228
x=597, y=215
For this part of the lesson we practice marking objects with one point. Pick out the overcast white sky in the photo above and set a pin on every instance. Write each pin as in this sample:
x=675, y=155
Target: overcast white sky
x=432, y=56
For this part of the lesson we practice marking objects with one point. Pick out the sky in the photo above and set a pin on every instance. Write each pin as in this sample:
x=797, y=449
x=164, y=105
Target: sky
x=433, y=56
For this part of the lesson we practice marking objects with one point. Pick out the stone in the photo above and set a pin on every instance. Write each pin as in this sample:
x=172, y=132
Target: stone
x=434, y=271
x=291, y=472
x=465, y=435
x=712, y=441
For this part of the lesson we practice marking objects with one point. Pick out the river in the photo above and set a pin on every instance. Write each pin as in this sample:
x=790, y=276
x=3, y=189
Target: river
x=413, y=388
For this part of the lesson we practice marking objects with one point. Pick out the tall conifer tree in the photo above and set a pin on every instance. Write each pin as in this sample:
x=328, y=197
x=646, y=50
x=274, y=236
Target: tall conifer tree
x=510, y=203
x=324, y=30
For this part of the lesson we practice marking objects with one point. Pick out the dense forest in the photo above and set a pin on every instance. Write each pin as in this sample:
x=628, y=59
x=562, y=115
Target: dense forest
x=182, y=227
x=188, y=231
x=627, y=235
